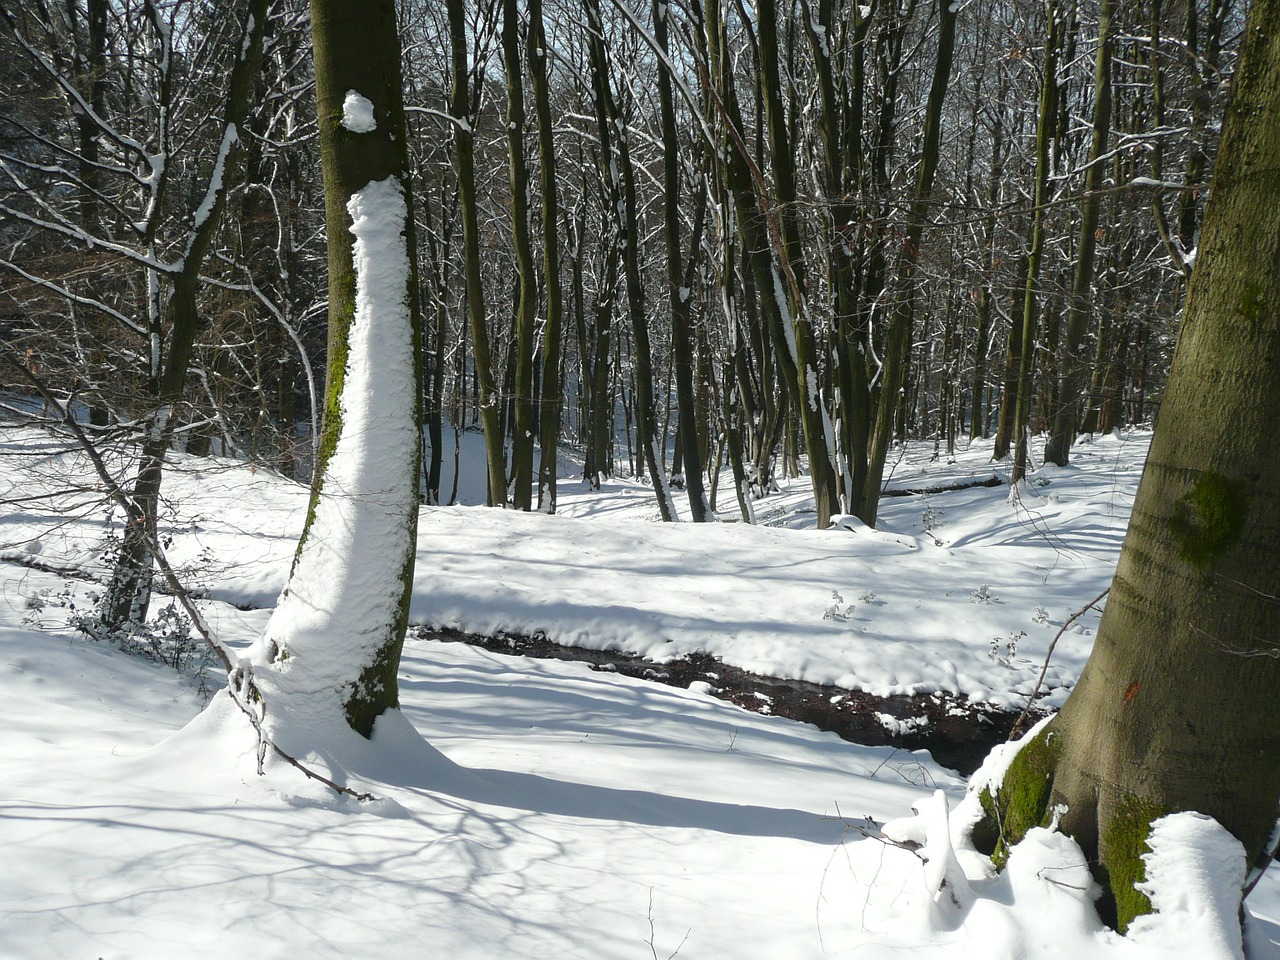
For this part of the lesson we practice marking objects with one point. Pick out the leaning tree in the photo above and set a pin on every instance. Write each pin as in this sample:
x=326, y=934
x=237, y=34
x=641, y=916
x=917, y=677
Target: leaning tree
x=335, y=638
x=1178, y=707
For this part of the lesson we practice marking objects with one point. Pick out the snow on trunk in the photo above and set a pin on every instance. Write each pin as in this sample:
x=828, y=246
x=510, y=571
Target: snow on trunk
x=348, y=582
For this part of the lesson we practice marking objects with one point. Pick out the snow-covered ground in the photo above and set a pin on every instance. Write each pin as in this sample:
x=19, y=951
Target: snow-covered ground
x=538, y=809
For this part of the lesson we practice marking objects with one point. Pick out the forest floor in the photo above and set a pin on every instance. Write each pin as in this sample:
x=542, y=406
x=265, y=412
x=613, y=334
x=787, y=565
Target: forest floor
x=535, y=807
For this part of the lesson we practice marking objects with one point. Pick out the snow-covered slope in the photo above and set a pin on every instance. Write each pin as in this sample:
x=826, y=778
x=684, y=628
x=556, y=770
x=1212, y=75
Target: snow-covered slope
x=534, y=809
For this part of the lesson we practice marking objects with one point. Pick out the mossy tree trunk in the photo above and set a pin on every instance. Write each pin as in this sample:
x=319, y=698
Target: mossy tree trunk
x=1177, y=708
x=369, y=486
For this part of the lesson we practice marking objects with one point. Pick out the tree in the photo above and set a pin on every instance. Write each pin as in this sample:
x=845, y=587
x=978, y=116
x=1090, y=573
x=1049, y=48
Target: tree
x=337, y=632
x=1177, y=709
x=621, y=182
x=1066, y=419
x=549, y=400
x=898, y=340
x=1045, y=127
x=526, y=284
x=678, y=285
x=464, y=122
x=170, y=267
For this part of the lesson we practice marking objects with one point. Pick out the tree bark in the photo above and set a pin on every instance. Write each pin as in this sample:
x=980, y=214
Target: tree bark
x=128, y=596
x=1176, y=709
x=549, y=395
x=898, y=345
x=369, y=459
x=798, y=349
x=679, y=293
x=526, y=285
x=464, y=146
x=1030, y=300
x=622, y=181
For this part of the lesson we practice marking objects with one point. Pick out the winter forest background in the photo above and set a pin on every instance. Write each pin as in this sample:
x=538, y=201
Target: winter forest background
x=877, y=220
x=884, y=298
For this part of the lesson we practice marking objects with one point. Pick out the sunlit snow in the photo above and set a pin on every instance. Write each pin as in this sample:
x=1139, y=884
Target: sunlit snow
x=534, y=809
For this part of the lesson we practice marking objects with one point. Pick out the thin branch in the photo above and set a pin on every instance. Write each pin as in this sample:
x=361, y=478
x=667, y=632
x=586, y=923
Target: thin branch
x=1022, y=717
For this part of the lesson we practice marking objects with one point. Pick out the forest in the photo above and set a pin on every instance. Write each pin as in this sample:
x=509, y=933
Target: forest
x=605, y=210
x=952, y=328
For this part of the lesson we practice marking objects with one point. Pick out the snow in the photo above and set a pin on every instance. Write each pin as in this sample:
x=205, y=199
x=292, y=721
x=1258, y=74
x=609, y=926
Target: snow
x=1195, y=872
x=229, y=137
x=357, y=113
x=531, y=808
x=347, y=581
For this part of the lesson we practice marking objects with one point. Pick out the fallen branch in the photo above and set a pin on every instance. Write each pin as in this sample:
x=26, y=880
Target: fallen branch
x=992, y=481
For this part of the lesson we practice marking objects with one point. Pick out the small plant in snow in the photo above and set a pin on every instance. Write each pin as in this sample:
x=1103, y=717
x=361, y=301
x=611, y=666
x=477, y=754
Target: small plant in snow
x=1041, y=616
x=36, y=604
x=1009, y=645
x=983, y=594
x=931, y=519
x=868, y=598
x=835, y=611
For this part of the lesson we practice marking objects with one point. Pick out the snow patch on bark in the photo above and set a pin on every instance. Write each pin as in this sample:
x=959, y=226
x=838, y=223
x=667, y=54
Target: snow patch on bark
x=347, y=583
x=357, y=114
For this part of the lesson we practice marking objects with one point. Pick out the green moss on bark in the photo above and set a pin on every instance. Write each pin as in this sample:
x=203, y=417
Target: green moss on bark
x=1022, y=799
x=1208, y=518
x=1123, y=842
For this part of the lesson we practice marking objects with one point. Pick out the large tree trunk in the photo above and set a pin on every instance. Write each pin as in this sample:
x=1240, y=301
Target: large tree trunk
x=1177, y=707
x=335, y=638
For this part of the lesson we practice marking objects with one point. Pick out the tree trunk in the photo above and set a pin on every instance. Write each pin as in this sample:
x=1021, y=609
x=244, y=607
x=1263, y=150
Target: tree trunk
x=128, y=596
x=795, y=330
x=1066, y=416
x=898, y=345
x=340, y=625
x=464, y=146
x=1030, y=300
x=1177, y=708
x=622, y=190
x=549, y=395
x=679, y=292
x=526, y=285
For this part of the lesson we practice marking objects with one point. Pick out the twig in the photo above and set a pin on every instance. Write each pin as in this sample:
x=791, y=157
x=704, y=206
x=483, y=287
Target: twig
x=653, y=936
x=1022, y=717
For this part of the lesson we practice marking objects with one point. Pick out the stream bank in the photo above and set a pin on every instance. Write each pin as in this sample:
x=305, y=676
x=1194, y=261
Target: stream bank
x=957, y=732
